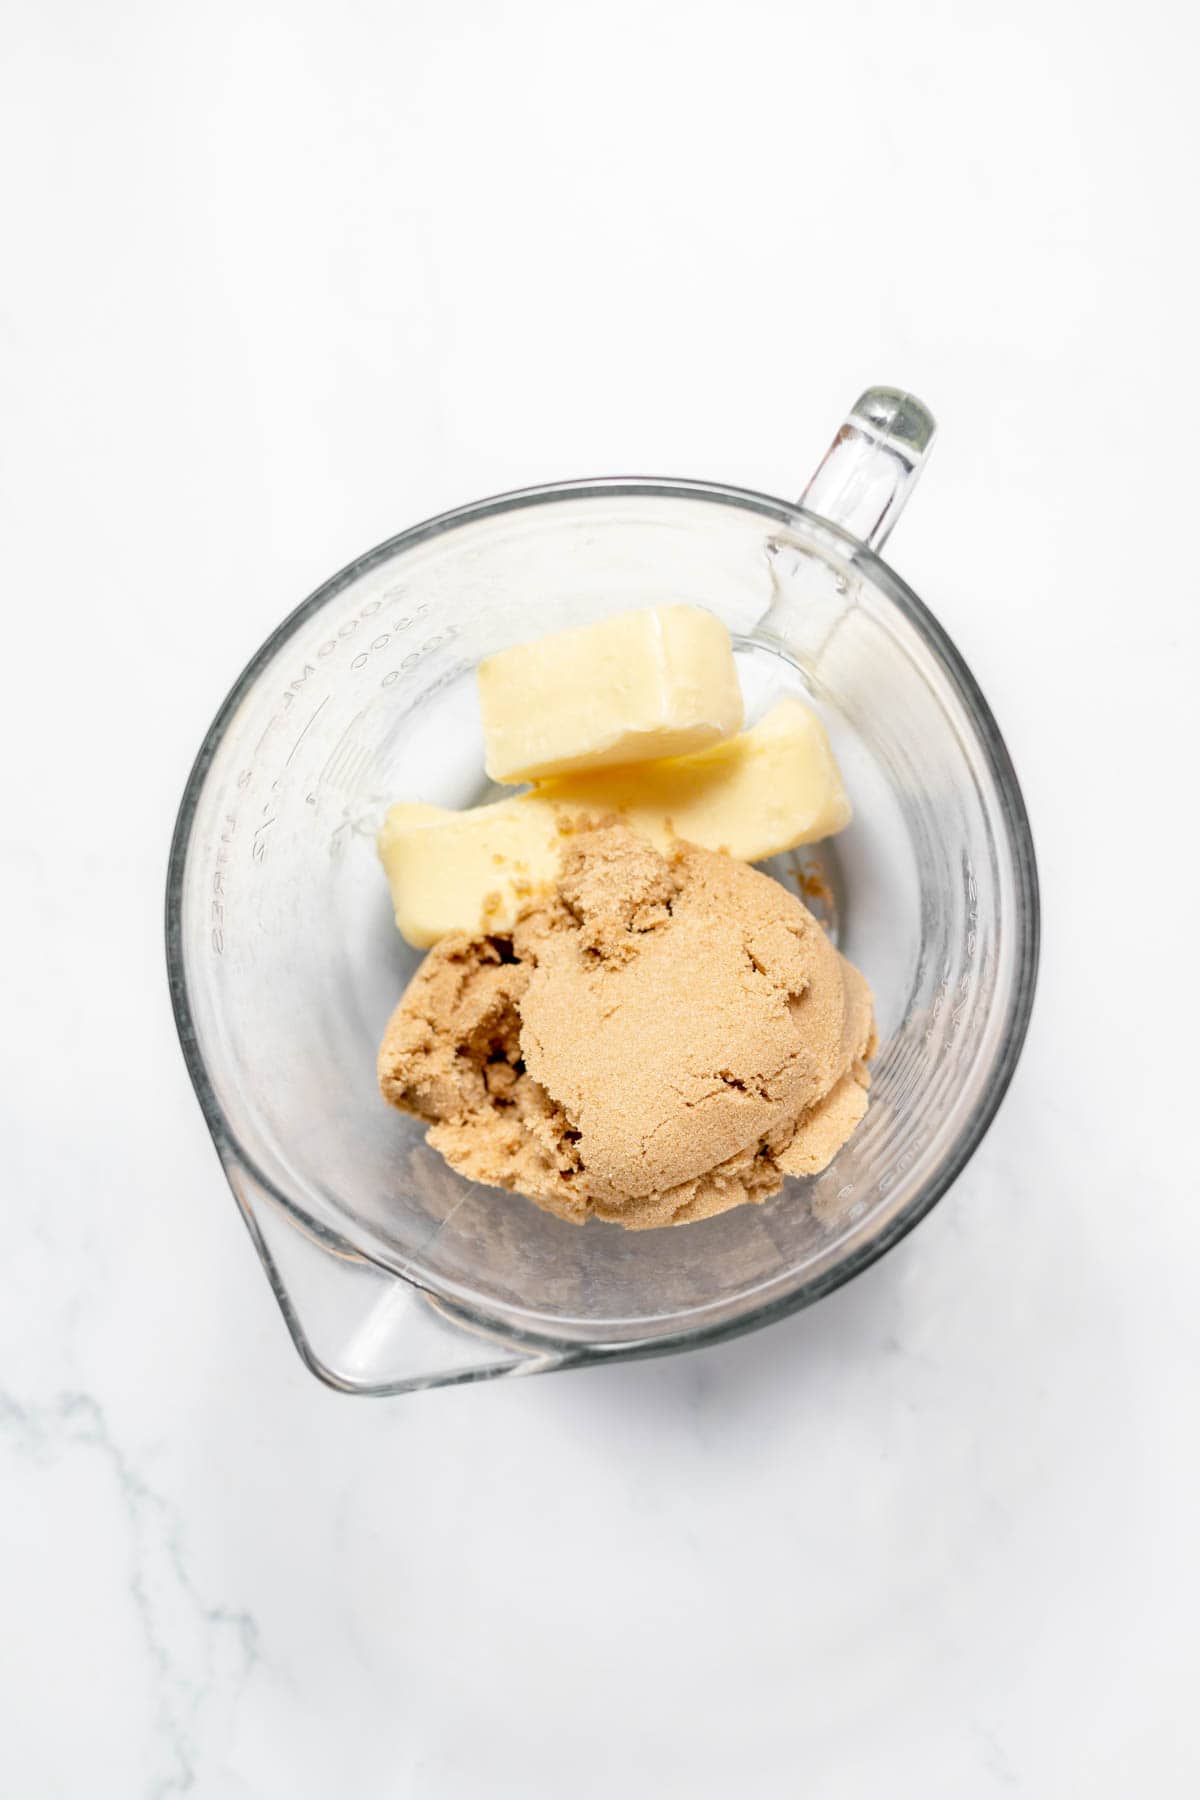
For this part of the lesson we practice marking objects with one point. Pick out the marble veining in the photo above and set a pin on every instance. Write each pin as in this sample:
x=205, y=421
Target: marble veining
x=201, y=1655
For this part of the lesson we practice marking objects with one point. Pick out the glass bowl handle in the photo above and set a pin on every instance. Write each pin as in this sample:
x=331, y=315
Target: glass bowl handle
x=872, y=465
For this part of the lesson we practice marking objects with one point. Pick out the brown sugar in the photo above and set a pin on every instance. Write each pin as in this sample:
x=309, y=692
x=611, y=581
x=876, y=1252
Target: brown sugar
x=660, y=1039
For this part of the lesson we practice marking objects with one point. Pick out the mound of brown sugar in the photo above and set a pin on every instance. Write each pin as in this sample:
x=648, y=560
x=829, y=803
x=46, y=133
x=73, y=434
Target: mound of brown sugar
x=661, y=1039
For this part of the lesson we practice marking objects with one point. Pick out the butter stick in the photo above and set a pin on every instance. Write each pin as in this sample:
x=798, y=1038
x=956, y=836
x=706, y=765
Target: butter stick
x=765, y=791
x=633, y=687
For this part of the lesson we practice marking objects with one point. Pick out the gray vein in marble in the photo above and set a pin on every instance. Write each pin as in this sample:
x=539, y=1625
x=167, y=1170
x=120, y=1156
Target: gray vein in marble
x=199, y=1653
x=993, y=1757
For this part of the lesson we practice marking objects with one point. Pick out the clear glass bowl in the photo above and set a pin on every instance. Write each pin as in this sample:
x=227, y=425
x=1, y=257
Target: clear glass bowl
x=393, y=1272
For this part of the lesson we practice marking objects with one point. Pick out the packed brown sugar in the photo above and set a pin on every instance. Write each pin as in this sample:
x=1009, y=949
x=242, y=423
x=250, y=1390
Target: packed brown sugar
x=660, y=1038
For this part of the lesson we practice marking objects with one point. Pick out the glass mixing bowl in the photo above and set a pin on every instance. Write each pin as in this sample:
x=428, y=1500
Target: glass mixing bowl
x=392, y=1271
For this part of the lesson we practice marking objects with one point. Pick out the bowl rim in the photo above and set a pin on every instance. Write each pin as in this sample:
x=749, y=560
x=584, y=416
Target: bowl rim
x=1026, y=922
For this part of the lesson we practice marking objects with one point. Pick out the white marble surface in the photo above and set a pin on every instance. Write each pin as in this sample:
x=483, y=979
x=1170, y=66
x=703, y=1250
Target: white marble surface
x=282, y=279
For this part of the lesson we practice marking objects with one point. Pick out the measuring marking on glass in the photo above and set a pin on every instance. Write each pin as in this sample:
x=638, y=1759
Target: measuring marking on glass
x=312, y=721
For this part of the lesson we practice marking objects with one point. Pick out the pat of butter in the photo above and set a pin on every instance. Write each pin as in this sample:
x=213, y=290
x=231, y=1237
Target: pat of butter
x=755, y=795
x=635, y=686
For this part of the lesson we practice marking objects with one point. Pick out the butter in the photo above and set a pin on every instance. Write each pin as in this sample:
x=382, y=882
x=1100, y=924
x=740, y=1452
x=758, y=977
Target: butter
x=634, y=687
x=767, y=790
